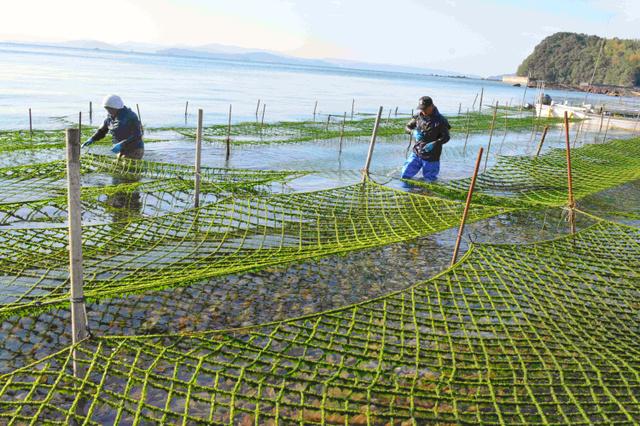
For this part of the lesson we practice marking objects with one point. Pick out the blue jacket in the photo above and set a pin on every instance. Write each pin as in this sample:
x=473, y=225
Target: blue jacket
x=435, y=128
x=125, y=128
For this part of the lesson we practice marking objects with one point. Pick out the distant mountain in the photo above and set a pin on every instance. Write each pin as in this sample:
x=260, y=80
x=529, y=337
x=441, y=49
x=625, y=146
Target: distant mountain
x=250, y=56
x=343, y=63
x=235, y=53
x=570, y=58
x=87, y=44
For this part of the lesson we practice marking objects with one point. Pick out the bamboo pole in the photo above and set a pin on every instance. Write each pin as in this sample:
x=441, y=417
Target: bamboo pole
x=524, y=96
x=30, y=124
x=606, y=130
x=601, y=120
x=544, y=135
x=80, y=125
x=571, y=200
x=493, y=124
x=186, y=111
x=578, y=130
x=481, y=96
x=389, y=117
x=264, y=107
x=90, y=112
x=344, y=119
x=466, y=138
x=196, y=182
x=326, y=129
x=139, y=115
x=315, y=108
x=466, y=207
x=228, y=140
x=460, y=108
x=353, y=108
x=473, y=106
x=372, y=143
x=74, y=206
x=396, y=112
x=257, y=109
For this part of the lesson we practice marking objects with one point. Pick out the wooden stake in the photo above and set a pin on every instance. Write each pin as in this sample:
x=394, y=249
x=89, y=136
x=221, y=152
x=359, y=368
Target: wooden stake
x=460, y=108
x=493, y=124
x=74, y=206
x=571, y=200
x=396, y=112
x=353, y=108
x=228, y=141
x=365, y=171
x=186, y=110
x=139, y=115
x=196, y=182
x=257, y=109
x=30, y=124
x=264, y=107
x=80, y=124
x=90, y=112
x=481, y=96
x=328, y=121
x=466, y=138
x=344, y=119
x=466, y=207
x=389, y=117
x=315, y=108
x=544, y=135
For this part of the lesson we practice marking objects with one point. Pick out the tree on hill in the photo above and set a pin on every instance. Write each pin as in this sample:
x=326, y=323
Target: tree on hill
x=571, y=58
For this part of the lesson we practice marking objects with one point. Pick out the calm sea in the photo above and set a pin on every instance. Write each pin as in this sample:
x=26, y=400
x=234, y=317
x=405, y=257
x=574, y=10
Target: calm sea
x=58, y=82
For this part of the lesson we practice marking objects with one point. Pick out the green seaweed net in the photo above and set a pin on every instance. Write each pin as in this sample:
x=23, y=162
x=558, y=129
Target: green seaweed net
x=233, y=234
x=119, y=189
x=543, y=333
x=528, y=181
x=332, y=128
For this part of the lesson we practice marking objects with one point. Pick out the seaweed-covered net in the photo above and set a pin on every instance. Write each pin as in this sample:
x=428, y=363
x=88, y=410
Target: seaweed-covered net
x=118, y=189
x=544, y=333
x=524, y=180
x=335, y=126
x=231, y=235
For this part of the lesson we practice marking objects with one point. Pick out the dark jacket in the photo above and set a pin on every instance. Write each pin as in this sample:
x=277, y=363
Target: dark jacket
x=125, y=128
x=435, y=129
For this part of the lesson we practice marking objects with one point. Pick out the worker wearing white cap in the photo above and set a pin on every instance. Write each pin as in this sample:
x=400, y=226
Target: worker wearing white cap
x=125, y=129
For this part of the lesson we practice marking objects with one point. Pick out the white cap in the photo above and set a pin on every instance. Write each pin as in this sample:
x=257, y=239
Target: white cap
x=113, y=101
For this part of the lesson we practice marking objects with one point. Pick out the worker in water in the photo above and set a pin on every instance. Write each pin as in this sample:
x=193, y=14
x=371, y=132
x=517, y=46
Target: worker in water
x=125, y=129
x=430, y=130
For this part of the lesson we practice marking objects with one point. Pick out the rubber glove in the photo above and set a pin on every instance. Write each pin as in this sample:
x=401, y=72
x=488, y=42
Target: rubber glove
x=417, y=135
x=429, y=147
x=88, y=142
x=116, y=148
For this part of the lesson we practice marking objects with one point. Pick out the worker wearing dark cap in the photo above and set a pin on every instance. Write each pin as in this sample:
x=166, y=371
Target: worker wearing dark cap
x=430, y=130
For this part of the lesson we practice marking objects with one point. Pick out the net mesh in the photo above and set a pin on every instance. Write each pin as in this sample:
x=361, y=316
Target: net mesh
x=544, y=333
x=234, y=234
x=526, y=181
x=119, y=190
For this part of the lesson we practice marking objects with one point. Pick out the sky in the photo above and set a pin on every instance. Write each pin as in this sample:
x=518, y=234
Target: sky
x=479, y=37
